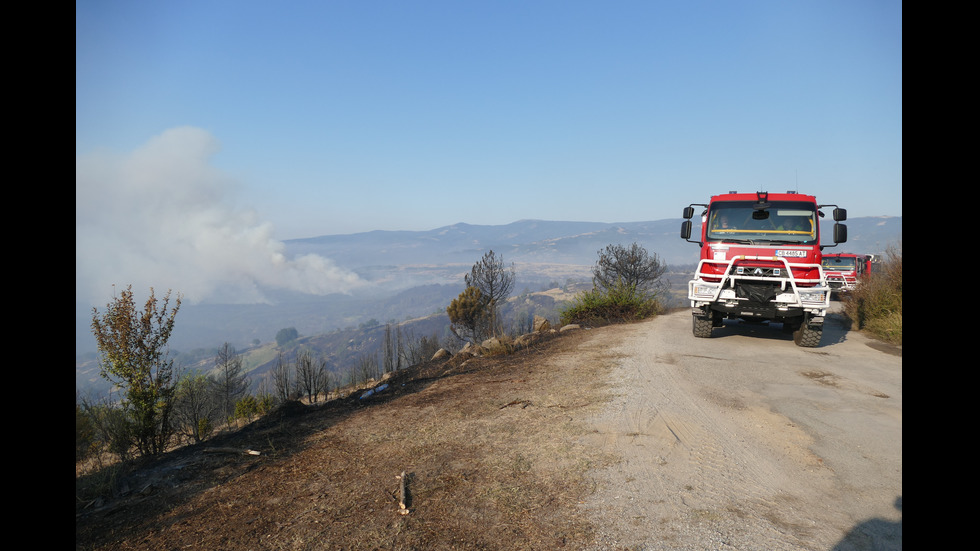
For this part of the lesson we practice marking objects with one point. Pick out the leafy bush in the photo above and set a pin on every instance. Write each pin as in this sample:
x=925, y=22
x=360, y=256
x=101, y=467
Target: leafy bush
x=266, y=403
x=876, y=305
x=617, y=303
x=112, y=429
x=247, y=407
x=204, y=429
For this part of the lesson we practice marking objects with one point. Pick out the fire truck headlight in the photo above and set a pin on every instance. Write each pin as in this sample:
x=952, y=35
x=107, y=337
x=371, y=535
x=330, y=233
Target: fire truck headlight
x=812, y=296
x=704, y=291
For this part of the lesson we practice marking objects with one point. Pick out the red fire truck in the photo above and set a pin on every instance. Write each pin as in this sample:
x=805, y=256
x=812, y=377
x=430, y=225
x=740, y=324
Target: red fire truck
x=760, y=262
x=844, y=271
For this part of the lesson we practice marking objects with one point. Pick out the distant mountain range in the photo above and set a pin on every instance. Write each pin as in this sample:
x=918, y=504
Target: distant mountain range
x=546, y=242
x=416, y=273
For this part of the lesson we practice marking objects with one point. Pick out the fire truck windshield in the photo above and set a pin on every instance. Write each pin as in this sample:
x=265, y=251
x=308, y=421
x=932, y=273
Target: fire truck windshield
x=783, y=222
x=838, y=263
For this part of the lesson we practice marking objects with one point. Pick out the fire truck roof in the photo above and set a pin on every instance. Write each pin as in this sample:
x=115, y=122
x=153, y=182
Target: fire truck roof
x=764, y=196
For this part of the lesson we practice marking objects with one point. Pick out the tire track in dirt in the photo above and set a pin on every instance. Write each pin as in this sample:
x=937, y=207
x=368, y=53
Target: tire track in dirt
x=674, y=452
x=702, y=458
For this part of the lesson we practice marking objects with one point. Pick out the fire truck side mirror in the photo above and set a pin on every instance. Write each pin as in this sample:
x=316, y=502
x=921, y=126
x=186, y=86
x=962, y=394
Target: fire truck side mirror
x=840, y=215
x=840, y=231
x=688, y=212
x=686, y=226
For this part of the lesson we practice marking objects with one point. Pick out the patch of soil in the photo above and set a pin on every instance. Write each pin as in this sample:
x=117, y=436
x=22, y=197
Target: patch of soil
x=492, y=455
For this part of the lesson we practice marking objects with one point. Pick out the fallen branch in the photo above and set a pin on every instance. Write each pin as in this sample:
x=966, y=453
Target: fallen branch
x=244, y=451
x=403, y=494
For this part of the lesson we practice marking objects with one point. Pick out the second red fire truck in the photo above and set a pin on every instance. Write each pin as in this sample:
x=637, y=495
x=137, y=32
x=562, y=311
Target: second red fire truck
x=844, y=271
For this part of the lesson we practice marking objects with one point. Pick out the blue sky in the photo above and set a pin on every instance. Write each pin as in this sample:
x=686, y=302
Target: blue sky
x=276, y=120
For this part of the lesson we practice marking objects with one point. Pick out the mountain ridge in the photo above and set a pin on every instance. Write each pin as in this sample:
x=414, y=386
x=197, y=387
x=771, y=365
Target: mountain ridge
x=535, y=241
x=395, y=262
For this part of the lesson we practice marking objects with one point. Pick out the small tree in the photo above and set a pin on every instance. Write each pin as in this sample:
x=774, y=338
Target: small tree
x=469, y=315
x=286, y=335
x=419, y=349
x=630, y=268
x=311, y=375
x=133, y=348
x=195, y=406
x=282, y=380
x=388, y=350
x=367, y=369
x=523, y=322
x=495, y=282
x=626, y=285
x=229, y=380
x=399, y=348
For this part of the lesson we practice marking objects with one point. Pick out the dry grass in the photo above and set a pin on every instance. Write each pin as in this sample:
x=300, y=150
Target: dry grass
x=876, y=305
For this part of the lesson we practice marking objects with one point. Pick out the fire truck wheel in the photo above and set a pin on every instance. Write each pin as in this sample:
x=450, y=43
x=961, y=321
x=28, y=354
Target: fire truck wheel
x=808, y=336
x=702, y=327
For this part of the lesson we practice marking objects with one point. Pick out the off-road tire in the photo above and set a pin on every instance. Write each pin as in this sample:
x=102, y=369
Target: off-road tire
x=702, y=327
x=808, y=336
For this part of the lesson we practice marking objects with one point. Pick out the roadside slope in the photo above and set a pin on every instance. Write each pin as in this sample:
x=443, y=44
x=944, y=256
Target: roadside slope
x=492, y=449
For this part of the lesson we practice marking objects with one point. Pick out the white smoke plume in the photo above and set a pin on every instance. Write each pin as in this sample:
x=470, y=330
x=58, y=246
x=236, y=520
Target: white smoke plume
x=162, y=217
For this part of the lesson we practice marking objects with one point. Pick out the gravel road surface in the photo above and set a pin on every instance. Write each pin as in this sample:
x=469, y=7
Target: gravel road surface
x=746, y=441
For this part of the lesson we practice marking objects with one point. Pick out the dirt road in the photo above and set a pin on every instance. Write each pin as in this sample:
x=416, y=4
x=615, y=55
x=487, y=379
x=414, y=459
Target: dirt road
x=746, y=441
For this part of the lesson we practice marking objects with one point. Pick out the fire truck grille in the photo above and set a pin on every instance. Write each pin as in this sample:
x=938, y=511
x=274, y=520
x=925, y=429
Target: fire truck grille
x=761, y=271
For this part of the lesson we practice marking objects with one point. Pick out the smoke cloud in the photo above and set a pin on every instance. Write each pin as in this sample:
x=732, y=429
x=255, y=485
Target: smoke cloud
x=163, y=217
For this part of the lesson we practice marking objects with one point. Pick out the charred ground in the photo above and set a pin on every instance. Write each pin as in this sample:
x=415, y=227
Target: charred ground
x=493, y=459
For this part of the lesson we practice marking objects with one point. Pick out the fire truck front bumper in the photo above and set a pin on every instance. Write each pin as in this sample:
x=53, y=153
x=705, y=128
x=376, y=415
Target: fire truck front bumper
x=784, y=303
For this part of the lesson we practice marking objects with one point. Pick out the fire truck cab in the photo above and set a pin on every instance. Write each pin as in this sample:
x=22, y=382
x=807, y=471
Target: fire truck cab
x=844, y=271
x=761, y=262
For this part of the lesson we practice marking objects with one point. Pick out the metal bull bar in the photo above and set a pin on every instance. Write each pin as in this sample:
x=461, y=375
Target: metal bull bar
x=815, y=296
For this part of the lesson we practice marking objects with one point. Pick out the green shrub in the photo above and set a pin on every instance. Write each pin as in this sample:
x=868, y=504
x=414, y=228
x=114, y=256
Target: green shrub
x=114, y=431
x=618, y=303
x=204, y=429
x=887, y=328
x=266, y=402
x=247, y=407
x=250, y=407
